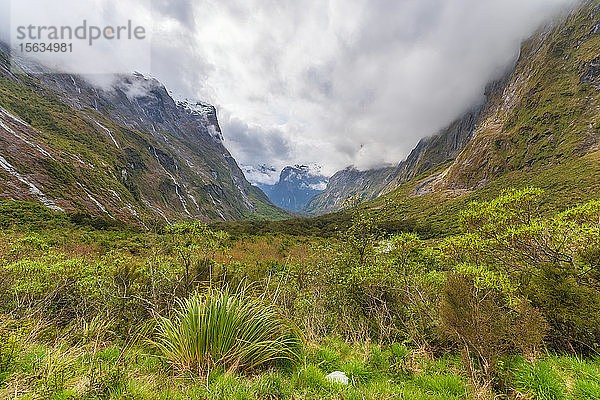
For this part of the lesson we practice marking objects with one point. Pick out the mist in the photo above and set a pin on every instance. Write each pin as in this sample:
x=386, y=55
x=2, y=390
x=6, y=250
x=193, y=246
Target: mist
x=330, y=82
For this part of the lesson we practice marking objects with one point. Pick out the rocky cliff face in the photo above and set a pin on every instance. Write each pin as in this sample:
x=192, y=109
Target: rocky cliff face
x=296, y=186
x=128, y=151
x=543, y=113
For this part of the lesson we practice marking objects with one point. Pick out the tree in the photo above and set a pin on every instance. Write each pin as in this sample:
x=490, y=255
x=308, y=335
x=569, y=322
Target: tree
x=486, y=324
x=552, y=261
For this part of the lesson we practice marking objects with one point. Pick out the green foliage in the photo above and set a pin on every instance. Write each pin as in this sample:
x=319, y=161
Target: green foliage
x=509, y=246
x=586, y=390
x=272, y=386
x=540, y=381
x=445, y=385
x=10, y=347
x=312, y=377
x=399, y=293
x=195, y=245
x=221, y=329
x=102, y=222
x=484, y=324
x=29, y=215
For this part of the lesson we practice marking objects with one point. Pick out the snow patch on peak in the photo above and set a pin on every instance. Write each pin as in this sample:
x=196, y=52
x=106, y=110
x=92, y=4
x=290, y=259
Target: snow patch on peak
x=196, y=107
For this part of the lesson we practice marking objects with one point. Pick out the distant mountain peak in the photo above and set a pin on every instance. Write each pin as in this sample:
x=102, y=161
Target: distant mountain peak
x=297, y=185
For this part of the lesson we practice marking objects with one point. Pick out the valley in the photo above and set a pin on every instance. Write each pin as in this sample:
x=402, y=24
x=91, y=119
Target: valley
x=139, y=259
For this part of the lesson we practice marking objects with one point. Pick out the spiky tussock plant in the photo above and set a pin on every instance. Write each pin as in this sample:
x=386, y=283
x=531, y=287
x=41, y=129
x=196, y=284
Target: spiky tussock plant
x=229, y=330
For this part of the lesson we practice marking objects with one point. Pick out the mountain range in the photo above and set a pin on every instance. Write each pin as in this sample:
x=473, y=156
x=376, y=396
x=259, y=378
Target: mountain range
x=539, y=125
x=297, y=185
x=128, y=151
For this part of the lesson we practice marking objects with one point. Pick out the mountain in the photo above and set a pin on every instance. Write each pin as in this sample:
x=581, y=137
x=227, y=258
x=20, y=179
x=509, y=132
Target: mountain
x=428, y=154
x=128, y=151
x=296, y=186
x=539, y=125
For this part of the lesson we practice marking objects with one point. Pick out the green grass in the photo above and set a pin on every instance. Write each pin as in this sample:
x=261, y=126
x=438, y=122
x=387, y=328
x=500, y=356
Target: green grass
x=540, y=381
x=58, y=368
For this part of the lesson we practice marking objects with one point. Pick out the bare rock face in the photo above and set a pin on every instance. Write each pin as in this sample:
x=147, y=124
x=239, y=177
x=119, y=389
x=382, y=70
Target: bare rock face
x=591, y=72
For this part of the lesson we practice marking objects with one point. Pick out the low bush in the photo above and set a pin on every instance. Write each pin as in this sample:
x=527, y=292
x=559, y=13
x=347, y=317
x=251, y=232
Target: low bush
x=223, y=329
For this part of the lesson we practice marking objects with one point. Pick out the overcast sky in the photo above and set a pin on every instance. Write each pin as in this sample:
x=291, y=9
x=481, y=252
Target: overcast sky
x=331, y=82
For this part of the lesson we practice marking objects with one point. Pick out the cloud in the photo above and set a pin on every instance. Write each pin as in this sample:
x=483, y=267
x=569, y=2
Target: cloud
x=339, y=83
x=256, y=142
x=333, y=82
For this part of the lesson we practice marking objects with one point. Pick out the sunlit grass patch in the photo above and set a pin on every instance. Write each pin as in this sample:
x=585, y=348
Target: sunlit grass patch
x=540, y=381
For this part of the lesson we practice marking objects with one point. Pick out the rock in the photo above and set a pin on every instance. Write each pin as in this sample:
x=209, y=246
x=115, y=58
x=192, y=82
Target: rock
x=591, y=73
x=337, y=377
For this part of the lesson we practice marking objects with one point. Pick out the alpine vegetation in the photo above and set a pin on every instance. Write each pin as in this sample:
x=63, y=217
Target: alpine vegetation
x=221, y=329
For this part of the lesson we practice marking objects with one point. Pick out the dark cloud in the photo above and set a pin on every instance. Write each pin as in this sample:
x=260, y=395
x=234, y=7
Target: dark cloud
x=257, y=143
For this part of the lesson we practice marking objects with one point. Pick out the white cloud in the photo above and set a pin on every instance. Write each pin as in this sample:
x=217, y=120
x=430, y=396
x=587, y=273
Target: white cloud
x=336, y=82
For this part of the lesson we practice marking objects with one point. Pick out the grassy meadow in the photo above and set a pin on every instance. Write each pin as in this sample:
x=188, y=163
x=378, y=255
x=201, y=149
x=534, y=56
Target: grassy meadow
x=509, y=307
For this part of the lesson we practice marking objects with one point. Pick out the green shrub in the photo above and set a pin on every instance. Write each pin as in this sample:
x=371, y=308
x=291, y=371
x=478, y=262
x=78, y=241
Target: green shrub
x=481, y=320
x=220, y=328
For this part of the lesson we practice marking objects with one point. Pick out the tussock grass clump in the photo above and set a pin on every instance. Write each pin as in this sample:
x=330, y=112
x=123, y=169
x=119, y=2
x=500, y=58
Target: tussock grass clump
x=220, y=329
x=541, y=381
x=586, y=390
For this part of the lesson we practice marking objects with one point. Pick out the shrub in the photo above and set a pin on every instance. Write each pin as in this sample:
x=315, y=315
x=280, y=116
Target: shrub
x=486, y=325
x=553, y=261
x=222, y=329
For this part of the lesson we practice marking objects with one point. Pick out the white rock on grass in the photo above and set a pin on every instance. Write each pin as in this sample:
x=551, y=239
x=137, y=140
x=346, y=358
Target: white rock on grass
x=337, y=377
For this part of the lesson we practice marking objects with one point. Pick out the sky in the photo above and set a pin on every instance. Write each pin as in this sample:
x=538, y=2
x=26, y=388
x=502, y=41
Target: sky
x=327, y=82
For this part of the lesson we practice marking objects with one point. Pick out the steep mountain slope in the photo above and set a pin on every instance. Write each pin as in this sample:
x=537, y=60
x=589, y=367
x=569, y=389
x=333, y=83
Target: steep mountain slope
x=128, y=152
x=427, y=155
x=296, y=186
x=542, y=118
x=549, y=112
x=543, y=130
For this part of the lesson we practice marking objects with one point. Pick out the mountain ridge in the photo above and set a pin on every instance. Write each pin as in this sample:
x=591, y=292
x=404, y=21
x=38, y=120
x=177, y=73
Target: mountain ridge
x=296, y=186
x=130, y=152
x=525, y=123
